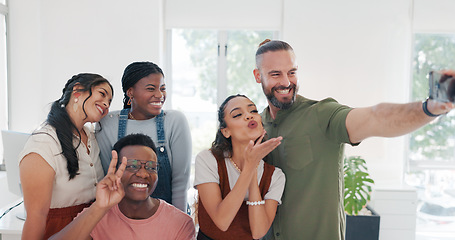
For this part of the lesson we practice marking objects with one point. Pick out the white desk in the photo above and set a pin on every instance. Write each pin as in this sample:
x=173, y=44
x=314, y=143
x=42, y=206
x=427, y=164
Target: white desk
x=10, y=225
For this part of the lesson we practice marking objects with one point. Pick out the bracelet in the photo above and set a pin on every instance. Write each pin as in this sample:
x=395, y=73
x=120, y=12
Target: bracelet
x=255, y=203
x=425, y=109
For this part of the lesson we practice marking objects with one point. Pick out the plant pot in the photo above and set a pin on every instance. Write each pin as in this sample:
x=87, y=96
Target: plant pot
x=362, y=227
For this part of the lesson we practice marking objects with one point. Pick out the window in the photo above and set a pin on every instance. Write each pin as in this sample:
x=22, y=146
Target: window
x=205, y=67
x=431, y=161
x=3, y=74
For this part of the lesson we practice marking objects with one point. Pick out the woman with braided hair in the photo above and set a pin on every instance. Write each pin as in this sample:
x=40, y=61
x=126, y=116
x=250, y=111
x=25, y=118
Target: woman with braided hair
x=238, y=192
x=60, y=164
x=144, y=95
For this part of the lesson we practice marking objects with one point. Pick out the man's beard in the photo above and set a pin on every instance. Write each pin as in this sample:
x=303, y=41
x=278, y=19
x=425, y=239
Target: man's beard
x=275, y=102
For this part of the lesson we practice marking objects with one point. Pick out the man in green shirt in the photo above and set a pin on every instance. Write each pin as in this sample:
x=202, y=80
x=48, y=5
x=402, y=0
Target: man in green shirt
x=314, y=134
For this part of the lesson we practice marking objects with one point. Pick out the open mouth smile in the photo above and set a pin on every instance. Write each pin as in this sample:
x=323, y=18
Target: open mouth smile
x=139, y=185
x=100, y=109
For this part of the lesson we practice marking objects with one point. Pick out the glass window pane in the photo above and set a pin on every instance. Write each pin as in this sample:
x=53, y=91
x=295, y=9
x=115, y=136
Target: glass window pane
x=3, y=79
x=435, y=141
x=241, y=51
x=207, y=65
x=194, y=75
x=431, y=161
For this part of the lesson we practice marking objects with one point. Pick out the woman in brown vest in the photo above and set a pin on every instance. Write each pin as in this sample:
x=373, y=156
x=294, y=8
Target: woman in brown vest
x=238, y=192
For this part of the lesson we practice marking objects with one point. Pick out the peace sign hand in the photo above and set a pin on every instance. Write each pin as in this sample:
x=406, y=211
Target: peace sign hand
x=109, y=190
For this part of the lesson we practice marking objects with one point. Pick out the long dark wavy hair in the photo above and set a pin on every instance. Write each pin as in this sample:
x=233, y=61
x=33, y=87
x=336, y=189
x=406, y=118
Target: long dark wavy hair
x=135, y=72
x=59, y=118
x=223, y=145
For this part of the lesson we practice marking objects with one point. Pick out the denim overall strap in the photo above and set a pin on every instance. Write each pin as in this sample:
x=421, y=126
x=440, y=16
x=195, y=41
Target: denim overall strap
x=163, y=189
x=123, y=119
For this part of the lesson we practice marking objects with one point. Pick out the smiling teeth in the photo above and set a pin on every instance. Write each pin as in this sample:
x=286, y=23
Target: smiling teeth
x=284, y=91
x=157, y=103
x=100, y=109
x=139, y=185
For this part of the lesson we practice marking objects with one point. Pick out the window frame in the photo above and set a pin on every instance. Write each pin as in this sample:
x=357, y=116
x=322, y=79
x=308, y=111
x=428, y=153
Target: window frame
x=222, y=66
x=422, y=165
x=5, y=12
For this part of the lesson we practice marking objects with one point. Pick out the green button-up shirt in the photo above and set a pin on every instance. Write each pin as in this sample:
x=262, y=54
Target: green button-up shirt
x=311, y=156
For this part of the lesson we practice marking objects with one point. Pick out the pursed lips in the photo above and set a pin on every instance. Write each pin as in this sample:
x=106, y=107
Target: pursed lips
x=252, y=124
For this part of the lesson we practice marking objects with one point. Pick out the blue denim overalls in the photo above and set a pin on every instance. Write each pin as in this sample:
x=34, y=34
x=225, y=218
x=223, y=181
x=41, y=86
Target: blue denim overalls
x=163, y=188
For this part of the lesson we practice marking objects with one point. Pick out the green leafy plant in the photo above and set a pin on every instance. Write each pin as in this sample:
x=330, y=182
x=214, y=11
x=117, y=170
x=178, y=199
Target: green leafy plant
x=357, y=184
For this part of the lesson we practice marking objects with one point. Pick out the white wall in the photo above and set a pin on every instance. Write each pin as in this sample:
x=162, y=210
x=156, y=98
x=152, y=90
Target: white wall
x=51, y=40
x=26, y=95
x=434, y=16
x=357, y=51
x=217, y=14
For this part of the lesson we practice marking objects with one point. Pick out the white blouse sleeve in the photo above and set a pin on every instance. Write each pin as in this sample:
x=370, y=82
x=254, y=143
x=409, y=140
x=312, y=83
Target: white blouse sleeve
x=44, y=143
x=206, y=168
x=276, y=186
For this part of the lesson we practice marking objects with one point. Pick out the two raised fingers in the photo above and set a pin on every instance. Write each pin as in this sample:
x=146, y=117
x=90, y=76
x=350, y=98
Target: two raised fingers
x=113, y=173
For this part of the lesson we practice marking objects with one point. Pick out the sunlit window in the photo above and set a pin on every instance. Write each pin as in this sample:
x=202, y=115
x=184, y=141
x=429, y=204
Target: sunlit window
x=431, y=161
x=207, y=66
x=3, y=76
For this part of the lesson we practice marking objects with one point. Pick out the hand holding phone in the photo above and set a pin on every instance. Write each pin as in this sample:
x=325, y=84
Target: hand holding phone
x=442, y=86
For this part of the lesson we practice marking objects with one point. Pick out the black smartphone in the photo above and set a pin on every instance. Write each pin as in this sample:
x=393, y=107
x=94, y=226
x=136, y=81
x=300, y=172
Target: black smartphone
x=442, y=87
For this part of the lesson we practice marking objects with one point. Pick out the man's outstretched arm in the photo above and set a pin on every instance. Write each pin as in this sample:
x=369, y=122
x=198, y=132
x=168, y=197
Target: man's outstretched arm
x=391, y=120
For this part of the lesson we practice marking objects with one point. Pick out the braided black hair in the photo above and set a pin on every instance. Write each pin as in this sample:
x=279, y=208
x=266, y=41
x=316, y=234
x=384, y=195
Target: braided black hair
x=222, y=144
x=135, y=72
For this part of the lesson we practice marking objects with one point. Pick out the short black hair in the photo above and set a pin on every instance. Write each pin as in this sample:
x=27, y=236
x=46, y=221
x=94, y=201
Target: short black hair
x=135, y=139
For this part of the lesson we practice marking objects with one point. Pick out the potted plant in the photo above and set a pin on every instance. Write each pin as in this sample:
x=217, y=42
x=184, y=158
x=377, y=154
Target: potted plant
x=357, y=189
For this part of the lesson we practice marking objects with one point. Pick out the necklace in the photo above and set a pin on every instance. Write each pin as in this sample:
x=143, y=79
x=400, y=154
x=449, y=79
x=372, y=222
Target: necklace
x=235, y=165
x=131, y=116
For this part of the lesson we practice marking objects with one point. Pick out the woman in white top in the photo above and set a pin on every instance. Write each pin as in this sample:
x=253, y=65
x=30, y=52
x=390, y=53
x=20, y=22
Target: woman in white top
x=238, y=192
x=60, y=165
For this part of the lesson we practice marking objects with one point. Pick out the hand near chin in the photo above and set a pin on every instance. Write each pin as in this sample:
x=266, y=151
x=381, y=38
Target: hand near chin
x=255, y=151
x=109, y=190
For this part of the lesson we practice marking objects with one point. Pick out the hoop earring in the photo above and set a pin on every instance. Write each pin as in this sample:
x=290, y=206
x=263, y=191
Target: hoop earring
x=129, y=101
